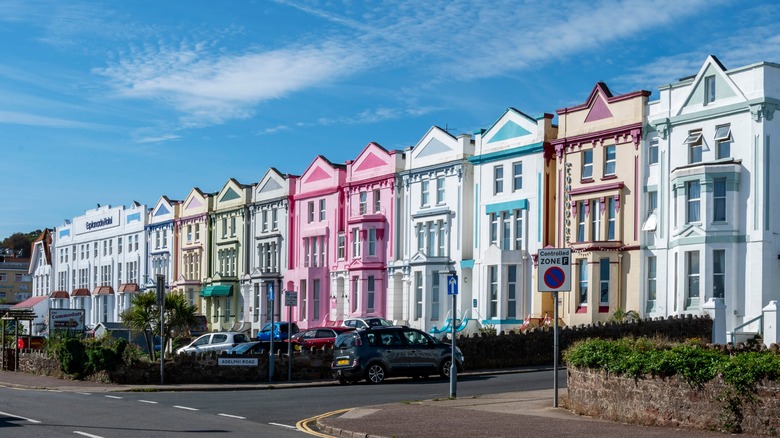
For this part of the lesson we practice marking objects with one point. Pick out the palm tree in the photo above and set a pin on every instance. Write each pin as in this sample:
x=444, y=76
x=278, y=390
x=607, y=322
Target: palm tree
x=142, y=316
x=179, y=316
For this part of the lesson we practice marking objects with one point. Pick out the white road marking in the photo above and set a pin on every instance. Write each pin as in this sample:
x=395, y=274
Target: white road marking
x=114, y=397
x=84, y=393
x=19, y=417
x=232, y=416
x=284, y=425
x=78, y=432
x=148, y=401
x=186, y=408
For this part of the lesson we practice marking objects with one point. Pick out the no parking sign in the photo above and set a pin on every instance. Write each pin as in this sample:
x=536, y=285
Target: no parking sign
x=554, y=270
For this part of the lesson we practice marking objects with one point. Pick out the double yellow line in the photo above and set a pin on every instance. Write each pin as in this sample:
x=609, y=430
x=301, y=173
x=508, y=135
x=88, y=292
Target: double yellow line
x=303, y=425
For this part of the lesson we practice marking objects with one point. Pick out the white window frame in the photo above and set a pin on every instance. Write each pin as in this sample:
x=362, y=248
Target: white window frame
x=424, y=193
x=587, y=164
x=690, y=202
x=652, y=151
x=440, y=190
x=610, y=160
x=709, y=90
x=498, y=179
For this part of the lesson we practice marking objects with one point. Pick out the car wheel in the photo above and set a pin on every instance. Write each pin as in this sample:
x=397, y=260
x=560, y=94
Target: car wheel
x=444, y=369
x=375, y=373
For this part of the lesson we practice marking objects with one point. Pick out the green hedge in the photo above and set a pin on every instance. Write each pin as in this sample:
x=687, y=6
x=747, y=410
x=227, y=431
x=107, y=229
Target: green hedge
x=694, y=362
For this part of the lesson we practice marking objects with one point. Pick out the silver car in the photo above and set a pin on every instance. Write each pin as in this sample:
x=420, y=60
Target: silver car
x=218, y=341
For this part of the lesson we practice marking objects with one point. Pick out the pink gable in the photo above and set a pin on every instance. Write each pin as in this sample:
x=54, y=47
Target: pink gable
x=370, y=162
x=317, y=175
x=598, y=111
x=194, y=203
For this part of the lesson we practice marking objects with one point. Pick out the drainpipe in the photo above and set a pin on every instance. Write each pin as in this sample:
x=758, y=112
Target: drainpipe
x=620, y=274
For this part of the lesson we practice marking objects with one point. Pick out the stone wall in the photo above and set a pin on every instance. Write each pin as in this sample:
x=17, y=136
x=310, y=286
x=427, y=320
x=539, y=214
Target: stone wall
x=535, y=347
x=672, y=402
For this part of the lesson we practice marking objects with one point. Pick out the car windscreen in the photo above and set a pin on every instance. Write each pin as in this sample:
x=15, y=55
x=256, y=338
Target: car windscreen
x=240, y=338
x=344, y=341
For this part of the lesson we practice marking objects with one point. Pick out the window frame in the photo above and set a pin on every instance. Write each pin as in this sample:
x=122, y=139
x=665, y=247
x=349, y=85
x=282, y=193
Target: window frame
x=719, y=273
x=517, y=176
x=719, y=200
x=652, y=151
x=498, y=179
x=586, y=169
x=690, y=202
x=610, y=160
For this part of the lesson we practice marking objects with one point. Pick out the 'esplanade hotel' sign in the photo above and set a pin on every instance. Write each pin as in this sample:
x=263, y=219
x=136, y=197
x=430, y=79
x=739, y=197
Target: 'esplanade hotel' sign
x=97, y=222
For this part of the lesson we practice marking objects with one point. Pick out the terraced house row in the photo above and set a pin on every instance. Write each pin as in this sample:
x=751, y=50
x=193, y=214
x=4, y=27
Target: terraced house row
x=665, y=204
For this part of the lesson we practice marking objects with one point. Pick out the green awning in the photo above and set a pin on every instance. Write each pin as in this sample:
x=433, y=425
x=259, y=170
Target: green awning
x=217, y=291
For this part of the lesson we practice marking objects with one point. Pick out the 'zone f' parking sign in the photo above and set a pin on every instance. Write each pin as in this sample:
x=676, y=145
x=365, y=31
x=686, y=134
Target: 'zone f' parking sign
x=554, y=269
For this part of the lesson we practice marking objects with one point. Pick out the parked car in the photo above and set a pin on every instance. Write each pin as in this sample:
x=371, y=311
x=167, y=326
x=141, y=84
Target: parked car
x=362, y=323
x=253, y=347
x=378, y=352
x=319, y=337
x=280, y=331
x=218, y=341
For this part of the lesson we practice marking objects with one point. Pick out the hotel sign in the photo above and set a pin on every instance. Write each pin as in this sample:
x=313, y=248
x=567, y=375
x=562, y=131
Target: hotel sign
x=66, y=319
x=100, y=222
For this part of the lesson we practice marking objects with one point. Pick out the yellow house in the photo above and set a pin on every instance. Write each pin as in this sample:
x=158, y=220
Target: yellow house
x=596, y=212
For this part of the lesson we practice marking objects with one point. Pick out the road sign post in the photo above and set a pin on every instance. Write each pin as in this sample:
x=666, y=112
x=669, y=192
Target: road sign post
x=271, y=358
x=290, y=300
x=452, y=289
x=554, y=275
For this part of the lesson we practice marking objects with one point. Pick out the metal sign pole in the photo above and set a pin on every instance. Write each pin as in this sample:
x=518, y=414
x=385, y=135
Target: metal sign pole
x=555, y=349
x=289, y=344
x=161, y=300
x=273, y=331
x=452, y=289
x=453, y=361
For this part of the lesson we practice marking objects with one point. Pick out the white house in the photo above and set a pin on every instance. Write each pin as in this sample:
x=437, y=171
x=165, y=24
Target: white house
x=99, y=258
x=268, y=243
x=712, y=202
x=434, y=232
x=509, y=167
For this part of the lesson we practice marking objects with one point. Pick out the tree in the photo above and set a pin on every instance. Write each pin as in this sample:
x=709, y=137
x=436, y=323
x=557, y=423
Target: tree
x=142, y=316
x=20, y=242
x=179, y=316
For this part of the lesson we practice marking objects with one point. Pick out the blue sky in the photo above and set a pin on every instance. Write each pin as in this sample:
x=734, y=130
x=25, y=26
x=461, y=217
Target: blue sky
x=115, y=102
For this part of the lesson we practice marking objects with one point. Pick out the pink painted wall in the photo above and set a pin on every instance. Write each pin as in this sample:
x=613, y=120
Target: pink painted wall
x=322, y=181
x=372, y=173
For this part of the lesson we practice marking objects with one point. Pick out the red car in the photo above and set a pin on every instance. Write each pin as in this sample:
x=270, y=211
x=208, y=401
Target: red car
x=318, y=337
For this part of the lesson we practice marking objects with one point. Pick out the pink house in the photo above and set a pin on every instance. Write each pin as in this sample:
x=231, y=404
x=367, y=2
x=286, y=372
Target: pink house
x=316, y=222
x=367, y=245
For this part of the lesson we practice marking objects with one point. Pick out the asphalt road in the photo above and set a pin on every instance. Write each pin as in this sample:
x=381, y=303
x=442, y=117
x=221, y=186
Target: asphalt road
x=267, y=413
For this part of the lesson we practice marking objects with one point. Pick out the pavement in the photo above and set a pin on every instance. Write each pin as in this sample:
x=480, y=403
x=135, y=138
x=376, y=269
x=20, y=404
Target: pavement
x=512, y=414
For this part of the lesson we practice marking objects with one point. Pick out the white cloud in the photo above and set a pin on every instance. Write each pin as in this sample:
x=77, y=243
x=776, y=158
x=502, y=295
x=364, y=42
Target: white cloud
x=211, y=88
x=762, y=43
x=17, y=118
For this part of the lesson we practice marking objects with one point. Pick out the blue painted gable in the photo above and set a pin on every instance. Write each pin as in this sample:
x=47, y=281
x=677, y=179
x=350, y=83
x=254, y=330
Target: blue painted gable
x=509, y=130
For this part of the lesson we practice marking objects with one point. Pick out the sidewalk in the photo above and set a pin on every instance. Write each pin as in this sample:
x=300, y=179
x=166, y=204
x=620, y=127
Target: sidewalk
x=514, y=414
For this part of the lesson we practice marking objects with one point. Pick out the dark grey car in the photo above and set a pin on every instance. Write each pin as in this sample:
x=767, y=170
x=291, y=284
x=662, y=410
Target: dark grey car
x=379, y=352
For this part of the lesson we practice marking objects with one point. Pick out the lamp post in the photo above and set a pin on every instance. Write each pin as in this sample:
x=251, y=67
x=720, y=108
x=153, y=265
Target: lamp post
x=161, y=302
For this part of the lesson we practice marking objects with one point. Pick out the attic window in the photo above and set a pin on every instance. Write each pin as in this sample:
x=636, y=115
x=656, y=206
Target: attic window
x=709, y=90
x=693, y=137
x=723, y=132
